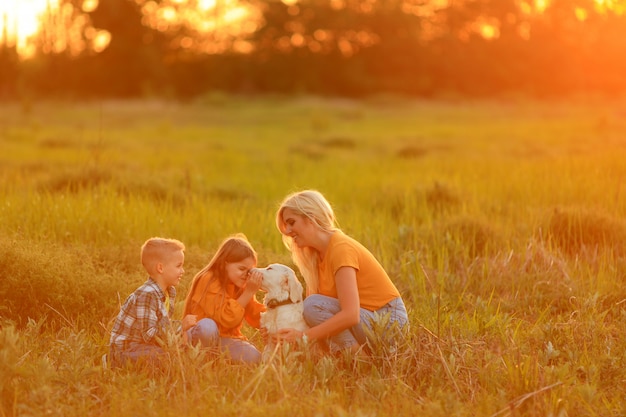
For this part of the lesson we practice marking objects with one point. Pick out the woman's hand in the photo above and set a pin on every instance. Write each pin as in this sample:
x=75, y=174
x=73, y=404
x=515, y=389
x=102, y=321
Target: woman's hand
x=289, y=335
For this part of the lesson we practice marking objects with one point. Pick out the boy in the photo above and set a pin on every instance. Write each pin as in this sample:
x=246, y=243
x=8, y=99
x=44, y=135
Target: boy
x=146, y=314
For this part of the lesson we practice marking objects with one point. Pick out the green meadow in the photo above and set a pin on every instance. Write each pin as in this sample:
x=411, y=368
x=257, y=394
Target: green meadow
x=501, y=222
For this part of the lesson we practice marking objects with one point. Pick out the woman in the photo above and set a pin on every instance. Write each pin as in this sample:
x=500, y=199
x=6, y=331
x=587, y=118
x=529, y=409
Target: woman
x=222, y=296
x=346, y=286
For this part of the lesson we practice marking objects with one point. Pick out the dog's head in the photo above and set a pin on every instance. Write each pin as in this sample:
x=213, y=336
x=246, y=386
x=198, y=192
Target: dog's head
x=281, y=284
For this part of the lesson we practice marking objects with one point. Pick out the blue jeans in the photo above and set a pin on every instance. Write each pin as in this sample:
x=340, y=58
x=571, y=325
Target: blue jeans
x=319, y=308
x=136, y=353
x=207, y=333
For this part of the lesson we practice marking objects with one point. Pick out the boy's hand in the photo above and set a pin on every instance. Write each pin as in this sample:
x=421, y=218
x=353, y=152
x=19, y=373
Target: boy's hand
x=189, y=321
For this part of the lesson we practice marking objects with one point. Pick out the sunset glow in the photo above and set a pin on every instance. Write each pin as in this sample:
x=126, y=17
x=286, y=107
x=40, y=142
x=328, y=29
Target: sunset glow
x=21, y=21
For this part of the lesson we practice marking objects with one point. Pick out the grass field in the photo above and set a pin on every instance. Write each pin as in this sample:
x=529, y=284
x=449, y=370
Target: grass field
x=501, y=222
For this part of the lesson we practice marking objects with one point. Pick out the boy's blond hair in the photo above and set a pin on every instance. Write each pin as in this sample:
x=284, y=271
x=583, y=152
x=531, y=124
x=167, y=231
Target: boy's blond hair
x=158, y=249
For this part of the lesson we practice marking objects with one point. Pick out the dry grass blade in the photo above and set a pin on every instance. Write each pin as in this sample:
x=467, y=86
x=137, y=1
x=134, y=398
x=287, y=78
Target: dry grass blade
x=521, y=399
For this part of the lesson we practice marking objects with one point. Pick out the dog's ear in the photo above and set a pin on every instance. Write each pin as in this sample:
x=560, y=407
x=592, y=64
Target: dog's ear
x=295, y=288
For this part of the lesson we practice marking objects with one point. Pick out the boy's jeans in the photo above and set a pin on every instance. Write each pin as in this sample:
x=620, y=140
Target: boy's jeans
x=135, y=353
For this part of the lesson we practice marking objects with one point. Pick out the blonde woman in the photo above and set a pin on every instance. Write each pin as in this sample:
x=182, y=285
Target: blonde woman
x=346, y=286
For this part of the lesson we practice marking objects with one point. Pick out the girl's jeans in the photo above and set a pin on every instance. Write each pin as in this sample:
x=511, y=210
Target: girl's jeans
x=207, y=333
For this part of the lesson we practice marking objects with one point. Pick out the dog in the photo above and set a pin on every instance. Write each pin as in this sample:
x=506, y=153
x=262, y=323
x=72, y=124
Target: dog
x=283, y=300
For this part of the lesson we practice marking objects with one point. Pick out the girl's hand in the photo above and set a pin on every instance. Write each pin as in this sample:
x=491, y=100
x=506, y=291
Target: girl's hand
x=264, y=334
x=254, y=281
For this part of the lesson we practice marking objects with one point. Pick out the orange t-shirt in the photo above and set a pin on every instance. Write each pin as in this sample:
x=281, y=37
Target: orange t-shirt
x=374, y=285
x=211, y=300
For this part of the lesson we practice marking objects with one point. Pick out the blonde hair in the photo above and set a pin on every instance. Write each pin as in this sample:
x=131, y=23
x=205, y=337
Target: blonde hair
x=312, y=205
x=158, y=249
x=234, y=248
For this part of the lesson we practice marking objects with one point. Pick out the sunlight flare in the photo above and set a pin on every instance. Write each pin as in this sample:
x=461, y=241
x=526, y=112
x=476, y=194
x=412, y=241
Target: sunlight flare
x=20, y=20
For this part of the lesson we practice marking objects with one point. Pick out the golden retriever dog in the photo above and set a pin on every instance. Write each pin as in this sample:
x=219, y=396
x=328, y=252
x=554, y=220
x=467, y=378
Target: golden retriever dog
x=283, y=300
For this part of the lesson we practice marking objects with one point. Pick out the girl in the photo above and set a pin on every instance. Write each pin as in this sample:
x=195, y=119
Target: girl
x=222, y=296
x=346, y=285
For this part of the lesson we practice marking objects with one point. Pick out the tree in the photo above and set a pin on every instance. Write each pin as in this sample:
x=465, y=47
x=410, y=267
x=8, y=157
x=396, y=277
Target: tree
x=9, y=65
x=132, y=64
x=350, y=48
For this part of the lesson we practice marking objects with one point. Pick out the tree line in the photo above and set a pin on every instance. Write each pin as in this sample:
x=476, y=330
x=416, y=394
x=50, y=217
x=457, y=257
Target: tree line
x=350, y=48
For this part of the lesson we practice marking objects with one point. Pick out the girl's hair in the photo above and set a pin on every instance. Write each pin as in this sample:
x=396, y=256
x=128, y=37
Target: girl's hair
x=312, y=205
x=233, y=249
x=158, y=249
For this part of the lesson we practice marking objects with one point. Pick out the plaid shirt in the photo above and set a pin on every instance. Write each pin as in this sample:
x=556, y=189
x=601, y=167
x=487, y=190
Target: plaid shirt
x=143, y=318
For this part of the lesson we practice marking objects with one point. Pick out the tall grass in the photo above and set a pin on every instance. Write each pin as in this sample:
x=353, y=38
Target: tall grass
x=502, y=223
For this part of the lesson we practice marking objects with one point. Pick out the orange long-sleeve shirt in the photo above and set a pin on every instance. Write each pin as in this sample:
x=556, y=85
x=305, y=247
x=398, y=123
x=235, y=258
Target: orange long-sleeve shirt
x=209, y=299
